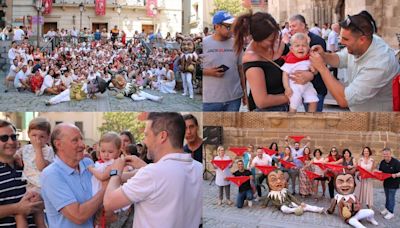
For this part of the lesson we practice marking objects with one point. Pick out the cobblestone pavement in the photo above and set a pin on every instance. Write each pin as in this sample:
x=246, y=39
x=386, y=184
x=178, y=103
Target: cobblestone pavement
x=27, y=101
x=232, y=217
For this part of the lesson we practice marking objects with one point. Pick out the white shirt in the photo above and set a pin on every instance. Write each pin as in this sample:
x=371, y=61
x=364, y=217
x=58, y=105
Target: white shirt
x=21, y=75
x=297, y=153
x=265, y=160
x=13, y=71
x=19, y=34
x=221, y=174
x=12, y=54
x=168, y=193
x=31, y=172
x=316, y=31
x=48, y=82
x=333, y=39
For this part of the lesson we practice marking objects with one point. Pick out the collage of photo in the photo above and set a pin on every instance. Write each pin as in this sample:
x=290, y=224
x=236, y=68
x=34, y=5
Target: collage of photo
x=199, y=113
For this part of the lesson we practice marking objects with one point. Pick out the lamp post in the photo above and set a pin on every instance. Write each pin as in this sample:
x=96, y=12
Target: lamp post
x=81, y=8
x=39, y=8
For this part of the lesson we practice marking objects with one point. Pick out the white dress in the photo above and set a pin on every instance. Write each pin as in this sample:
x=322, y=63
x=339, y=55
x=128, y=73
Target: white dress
x=221, y=174
x=168, y=86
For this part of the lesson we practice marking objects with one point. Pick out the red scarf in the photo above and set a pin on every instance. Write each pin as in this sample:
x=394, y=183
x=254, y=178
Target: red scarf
x=291, y=58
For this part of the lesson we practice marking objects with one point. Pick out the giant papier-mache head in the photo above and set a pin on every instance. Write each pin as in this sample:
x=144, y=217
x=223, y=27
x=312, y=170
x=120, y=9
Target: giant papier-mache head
x=345, y=184
x=276, y=180
x=187, y=43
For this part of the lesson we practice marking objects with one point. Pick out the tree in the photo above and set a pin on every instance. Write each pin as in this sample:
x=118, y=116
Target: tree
x=121, y=121
x=232, y=6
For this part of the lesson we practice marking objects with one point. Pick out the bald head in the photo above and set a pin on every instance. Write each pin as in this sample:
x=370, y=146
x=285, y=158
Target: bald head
x=58, y=131
x=336, y=27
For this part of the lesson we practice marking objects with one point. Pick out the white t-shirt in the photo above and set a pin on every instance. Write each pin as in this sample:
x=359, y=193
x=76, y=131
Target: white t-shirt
x=221, y=174
x=19, y=34
x=265, y=160
x=12, y=54
x=31, y=172
x=20, y=76
x=168, y=193
x=316, y=31
x=12, y=72
x=48, y=82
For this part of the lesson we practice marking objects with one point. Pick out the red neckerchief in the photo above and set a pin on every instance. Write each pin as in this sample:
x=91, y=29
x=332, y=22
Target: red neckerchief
x=100, y=161
x=291, y=58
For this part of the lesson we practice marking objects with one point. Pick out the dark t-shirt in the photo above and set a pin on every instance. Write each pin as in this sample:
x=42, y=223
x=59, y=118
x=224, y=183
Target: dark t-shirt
x=273, y=78
x=246, y=185
x=197, y=154
x=12, y=189
x=392, y=167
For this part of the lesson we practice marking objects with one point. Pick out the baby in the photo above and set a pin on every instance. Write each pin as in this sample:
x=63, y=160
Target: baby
x=298, y=60
x=36, y=156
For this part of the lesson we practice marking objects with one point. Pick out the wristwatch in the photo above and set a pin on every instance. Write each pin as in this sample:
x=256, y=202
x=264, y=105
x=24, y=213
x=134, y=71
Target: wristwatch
x=113, y=172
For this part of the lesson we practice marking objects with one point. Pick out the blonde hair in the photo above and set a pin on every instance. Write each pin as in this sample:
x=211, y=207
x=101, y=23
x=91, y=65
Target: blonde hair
x=300, y=36
x=41, y=124
x=111, y=137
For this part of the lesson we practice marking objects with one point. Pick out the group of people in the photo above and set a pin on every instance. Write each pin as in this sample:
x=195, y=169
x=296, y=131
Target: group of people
x=304, y=161
x=124, y=67
x=55, y=182
x=249, y=60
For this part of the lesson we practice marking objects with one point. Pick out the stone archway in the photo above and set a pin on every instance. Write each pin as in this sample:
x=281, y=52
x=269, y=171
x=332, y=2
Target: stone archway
x=340, y=10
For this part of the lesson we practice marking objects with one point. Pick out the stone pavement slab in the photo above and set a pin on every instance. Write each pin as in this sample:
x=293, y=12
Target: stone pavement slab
x=231, y=217
x=14, y=101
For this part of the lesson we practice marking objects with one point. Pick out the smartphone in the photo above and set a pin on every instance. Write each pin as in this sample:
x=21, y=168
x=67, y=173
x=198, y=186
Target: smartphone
x=223, y=67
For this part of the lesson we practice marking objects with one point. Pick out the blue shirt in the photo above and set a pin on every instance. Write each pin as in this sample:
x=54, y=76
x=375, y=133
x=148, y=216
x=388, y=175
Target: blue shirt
x=62, y=186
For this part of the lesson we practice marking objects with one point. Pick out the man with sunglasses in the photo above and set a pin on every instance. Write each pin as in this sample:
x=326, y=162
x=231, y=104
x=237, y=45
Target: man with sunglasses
x=14, y=200
x=223, y=83
x=371, y=66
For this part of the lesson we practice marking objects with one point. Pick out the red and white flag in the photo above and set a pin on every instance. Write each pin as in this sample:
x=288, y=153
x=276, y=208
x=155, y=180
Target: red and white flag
x=100, y=7
x=48, y=5
x=151, y=8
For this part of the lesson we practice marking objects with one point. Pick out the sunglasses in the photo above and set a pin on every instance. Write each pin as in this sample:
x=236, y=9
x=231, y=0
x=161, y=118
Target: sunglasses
x=4, y=138
x=349, y=22
x=227, y=26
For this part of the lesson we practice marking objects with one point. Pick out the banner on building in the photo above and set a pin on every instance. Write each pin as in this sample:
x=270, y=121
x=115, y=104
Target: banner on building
x=151, y=8
x=101, y=7
x=48, y=5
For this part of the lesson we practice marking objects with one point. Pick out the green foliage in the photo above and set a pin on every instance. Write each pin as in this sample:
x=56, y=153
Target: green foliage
x=232, y=6
x=121, y=121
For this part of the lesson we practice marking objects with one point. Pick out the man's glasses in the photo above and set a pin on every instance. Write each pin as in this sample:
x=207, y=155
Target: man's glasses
x=4, y=138
x=349, y=22
x=227, y=26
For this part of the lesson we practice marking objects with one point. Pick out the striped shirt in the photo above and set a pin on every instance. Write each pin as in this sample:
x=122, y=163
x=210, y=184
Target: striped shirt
x=12, y=189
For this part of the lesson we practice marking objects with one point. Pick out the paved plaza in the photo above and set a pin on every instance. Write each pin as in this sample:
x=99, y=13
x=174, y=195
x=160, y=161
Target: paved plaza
x=27, y=101
x=231, y=217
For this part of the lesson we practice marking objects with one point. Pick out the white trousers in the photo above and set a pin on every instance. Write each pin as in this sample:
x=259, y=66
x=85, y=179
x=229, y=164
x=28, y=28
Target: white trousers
x=289, y=210
x=141, y=96
x=361, y=214
x=61, y=97
x=187, y=83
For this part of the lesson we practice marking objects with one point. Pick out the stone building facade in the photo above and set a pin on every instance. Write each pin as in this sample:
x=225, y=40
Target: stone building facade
x=385, y=12
x=343, y=130
x=66, y=14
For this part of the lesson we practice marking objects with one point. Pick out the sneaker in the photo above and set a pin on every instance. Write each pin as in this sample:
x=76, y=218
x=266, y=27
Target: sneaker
x=373, y=221
x=384, y=211
x=219, y=203
x=48, y=103
x=184, y=94
x=6, y=90
x=257, y=199
x=250, y=203
x=389, y=216
x=191, y=96
x=229, y=202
